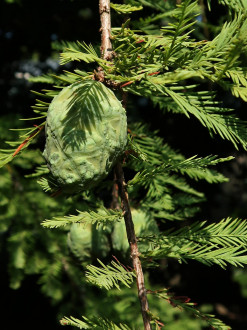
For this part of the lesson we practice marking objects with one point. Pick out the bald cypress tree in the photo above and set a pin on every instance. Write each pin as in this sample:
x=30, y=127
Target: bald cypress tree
x=133, y=201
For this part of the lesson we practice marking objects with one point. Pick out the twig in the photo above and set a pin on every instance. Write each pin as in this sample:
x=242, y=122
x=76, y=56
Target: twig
x=134, y=252
x=39, y=128
x=114, y=204
x=107, y=54
x=105, y=19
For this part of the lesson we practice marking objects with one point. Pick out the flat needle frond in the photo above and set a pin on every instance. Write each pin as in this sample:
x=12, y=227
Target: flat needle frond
x=100, y=217
x=219, y=243
x=109, y=276
x=94, y=323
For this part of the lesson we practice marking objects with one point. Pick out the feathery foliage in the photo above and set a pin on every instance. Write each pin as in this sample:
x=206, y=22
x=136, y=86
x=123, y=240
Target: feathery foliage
x=101, y=217
x=80, y=52
x=125, y=9
x=98, y=323
x=235, y=5
x=220, y=243
x=109, y=276
x=185, y=303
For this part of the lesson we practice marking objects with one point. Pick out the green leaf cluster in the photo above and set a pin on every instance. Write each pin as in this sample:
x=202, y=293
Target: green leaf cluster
x=109, y=276
x=220, y=243
x=125, y=9
x=92, y=324
x=164, y=173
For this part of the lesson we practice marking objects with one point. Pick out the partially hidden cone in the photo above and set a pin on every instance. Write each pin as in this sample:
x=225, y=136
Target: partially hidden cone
x=86, y=133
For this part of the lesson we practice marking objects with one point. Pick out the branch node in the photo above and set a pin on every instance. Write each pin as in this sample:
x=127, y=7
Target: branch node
x=104, y=9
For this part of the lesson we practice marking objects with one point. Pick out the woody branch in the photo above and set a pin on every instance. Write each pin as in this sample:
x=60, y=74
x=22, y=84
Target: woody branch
x=106, y=53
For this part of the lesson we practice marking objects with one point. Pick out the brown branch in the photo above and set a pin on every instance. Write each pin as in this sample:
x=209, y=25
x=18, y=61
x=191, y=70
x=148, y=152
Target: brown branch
x=107, y=54
x=105, y=19
x=134, y=252
x=114, y=204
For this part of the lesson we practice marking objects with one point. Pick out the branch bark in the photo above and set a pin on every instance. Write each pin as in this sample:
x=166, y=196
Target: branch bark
x=107, y=54
x=134, y=252
x=105, y=19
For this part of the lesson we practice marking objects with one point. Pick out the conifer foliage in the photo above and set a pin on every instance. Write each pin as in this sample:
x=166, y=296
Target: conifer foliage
x=160, y=57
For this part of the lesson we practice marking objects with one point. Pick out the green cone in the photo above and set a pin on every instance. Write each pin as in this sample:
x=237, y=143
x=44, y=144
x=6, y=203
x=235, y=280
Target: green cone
x=86, y=133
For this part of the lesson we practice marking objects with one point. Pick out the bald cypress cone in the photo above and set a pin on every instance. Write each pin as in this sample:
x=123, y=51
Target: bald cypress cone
x=86, y=133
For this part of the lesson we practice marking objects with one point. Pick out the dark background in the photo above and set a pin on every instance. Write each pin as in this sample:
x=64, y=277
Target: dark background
x=27, y=28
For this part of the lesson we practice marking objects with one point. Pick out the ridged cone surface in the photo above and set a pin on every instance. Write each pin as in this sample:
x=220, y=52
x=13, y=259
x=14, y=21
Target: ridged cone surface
x=86, y=132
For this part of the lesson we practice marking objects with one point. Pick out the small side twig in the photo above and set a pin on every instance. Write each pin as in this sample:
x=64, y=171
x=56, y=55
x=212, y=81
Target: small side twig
x=134, y=252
